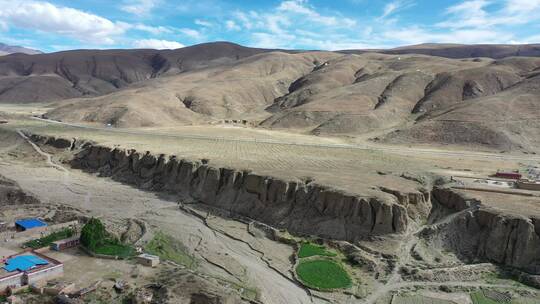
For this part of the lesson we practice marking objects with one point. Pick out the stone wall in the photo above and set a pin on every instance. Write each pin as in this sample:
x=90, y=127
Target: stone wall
x=11, y=280
x=45, y=274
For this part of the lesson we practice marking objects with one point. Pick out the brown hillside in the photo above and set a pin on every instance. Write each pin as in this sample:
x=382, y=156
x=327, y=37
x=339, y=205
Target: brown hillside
x=457, y=51
x=241, y=91
x=86, y=73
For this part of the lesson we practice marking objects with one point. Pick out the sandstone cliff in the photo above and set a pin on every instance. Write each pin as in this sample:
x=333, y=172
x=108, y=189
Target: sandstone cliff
x=480, y=233
x=299, y=207
x=463, y=225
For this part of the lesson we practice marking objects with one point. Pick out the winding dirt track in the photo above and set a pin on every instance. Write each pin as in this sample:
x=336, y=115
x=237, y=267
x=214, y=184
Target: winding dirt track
x=47, y=156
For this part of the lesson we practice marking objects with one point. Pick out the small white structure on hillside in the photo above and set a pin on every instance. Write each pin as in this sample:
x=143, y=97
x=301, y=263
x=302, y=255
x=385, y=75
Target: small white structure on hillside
x=148, y=260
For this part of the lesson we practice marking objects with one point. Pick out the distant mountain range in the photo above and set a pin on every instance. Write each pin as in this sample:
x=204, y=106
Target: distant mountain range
x=458, y=51
x=483, y=95
x=11, y=49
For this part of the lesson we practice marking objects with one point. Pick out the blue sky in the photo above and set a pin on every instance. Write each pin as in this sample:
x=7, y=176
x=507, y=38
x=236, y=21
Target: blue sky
x=55, y=25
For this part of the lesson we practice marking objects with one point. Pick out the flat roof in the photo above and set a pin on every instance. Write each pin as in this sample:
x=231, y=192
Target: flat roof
x=37, y=259
x=24, y=263
x=62, y=241
x=30, y=223
x=148, y=256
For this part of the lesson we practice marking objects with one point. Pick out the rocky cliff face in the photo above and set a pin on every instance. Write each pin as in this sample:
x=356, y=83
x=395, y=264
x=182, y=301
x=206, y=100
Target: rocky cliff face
x=476, y=233
x=300, y=208
x=480, y=233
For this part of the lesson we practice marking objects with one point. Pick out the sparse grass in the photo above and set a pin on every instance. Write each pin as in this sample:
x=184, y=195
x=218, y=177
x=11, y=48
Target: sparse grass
x=168, y=248
x=309, y=249
x=323, y=274
x=49, y=239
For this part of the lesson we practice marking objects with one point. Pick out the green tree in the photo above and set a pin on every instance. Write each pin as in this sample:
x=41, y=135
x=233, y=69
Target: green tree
x=93, y=234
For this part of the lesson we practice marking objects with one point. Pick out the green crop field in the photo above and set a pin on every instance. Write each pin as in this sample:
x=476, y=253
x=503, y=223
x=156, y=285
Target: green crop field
x=49, y=239
x=498, y=298
x=309, y=249
x=323, y=274
x=168, y=248
x=115, y=249
x=526, y=301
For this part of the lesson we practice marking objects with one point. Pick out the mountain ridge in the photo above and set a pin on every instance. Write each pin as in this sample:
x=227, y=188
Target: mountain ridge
x=12, y=49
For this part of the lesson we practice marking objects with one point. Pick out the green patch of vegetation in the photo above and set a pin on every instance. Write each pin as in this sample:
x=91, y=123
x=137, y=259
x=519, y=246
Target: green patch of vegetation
x=96, y=239
x=310, y=249
x=323, y=274
x=168, y=248
x=479, y=298
x=415, y=299
x=49, y=239
x=115, y=249
x=526, y=301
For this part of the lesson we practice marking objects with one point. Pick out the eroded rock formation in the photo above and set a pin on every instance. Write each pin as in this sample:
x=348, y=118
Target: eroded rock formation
x=480, y=233
x=301, y=208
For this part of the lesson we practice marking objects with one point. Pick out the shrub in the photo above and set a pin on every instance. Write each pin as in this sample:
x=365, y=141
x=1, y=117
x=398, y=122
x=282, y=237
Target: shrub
x=96, y=239
x=93, y=234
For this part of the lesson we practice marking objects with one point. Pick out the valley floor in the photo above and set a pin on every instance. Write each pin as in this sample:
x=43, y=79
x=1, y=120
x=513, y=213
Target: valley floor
x=233, y=256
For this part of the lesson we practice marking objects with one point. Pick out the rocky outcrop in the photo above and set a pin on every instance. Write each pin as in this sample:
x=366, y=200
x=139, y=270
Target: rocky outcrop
x=301, y=208
x=480, y=233
x=298, y=207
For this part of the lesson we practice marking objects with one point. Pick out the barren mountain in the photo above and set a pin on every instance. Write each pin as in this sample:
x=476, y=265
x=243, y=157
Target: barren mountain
x=396, y=98
x=70, y=74
x=458, y=51
x=240, y=90
x=506, y=120
x=11, y=49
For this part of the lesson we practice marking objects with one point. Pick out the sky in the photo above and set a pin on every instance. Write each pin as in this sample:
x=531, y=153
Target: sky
x=56, y=25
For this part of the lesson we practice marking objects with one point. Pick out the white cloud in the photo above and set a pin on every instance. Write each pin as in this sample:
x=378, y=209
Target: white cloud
x=247, y=20
x=46, y=17
x=301, y=7
x=157, y=44
x=156, y=30
x=3, y=26
x=293, y=23
x=477, y=14
x=395, y=6
x=232, y=26
x=203, y=23
x=191, y=33
x=416, y=35
x=470, y=13
x=272, y=41
x=139, y=7
x=521, y=6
